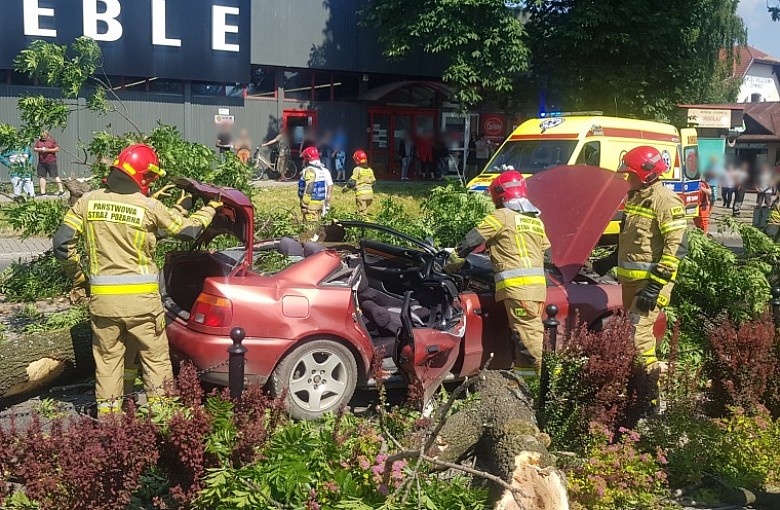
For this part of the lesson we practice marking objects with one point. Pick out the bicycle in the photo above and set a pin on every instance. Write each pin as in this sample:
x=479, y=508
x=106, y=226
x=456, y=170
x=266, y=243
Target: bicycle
x=266, y=166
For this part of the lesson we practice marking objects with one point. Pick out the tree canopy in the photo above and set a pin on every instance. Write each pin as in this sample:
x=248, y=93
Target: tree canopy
x=634, y=57
x=626, y=57
x=481, y=42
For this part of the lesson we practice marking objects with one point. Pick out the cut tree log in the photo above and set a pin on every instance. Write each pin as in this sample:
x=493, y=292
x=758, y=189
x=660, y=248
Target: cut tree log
x=499, y=429
x=33, y=361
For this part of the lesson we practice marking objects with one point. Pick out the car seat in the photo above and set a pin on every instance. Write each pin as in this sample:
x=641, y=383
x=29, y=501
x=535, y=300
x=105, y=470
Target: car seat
x=290, y=247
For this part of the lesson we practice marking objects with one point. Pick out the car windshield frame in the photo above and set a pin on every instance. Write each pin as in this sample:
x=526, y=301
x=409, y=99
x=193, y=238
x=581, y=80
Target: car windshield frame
x=546, y=153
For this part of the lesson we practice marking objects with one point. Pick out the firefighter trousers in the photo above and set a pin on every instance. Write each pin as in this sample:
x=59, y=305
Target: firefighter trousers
x=111, y=336
x=525, y=322
x=643, y=322
x=363, y=203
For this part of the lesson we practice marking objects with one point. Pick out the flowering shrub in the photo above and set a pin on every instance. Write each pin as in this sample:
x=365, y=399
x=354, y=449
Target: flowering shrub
x=616, y=475
x=589, y=383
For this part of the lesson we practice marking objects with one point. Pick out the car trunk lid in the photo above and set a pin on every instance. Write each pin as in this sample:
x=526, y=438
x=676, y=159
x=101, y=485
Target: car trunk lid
x=235, y=218
x=577, y=204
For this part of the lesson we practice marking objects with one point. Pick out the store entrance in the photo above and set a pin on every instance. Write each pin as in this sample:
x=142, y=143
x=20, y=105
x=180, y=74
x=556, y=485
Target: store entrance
x=387, y=129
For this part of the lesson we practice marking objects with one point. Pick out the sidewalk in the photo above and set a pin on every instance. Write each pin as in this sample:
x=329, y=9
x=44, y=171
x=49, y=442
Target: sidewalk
x=14, y=248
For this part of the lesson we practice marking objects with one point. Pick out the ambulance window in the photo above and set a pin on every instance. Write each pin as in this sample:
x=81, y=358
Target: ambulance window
x=590, y=154
x=532, y=156
x=691, y=163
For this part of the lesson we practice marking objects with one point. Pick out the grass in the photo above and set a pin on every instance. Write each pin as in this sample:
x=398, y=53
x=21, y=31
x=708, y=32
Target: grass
x=285, y=198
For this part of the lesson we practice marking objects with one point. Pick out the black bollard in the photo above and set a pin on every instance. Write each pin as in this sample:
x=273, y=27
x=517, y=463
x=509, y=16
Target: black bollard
x=236, y=363
x=775, y=302
x=551, y=327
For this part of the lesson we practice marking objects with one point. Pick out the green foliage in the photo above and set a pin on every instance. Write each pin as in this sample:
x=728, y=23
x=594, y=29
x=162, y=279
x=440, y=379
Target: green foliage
x=38, y=279
x=482, y=42
x=60, y=320
x=740, y=450
x=50, y=409
x=334, y=464
x=450, y=212
x=616, y=476
x=35, y=218
x=633, y=58
x=270, y=262
x=61, y=66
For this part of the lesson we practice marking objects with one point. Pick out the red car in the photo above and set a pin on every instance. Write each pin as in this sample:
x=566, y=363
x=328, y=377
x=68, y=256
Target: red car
x=314, y=328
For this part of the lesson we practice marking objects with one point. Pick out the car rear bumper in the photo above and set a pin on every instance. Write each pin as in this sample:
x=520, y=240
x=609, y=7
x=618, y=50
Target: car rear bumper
x=209, y=352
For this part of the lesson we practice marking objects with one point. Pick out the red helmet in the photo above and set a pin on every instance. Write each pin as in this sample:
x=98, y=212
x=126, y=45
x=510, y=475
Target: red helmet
x=360, y=157
x=645, y=162
x=310, y=154
x=140, y=162
x=507, y=186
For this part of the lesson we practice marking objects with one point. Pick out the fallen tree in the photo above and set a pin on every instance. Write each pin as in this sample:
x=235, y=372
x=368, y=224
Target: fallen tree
x=499, y=430
x=33, y=361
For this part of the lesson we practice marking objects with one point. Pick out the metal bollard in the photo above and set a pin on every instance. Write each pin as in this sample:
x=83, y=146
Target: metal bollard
x=551, y=327
x=236, y=363
x=775, y=302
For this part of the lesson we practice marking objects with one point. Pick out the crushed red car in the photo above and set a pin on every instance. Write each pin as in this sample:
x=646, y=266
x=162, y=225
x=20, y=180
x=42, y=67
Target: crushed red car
x=314, y=328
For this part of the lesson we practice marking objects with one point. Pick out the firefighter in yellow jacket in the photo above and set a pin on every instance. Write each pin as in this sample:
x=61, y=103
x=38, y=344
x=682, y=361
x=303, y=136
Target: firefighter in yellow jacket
x=516, y=238
x=362, y=181
x=120, y=224
x=652, y=243
x=773, y=225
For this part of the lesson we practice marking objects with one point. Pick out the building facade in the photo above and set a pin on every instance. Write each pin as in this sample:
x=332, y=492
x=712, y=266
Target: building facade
x=307, y=65
x=759, y=74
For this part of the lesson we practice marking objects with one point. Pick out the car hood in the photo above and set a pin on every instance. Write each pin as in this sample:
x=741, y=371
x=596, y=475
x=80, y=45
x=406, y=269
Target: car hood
x=235, y=218
x=577, y=204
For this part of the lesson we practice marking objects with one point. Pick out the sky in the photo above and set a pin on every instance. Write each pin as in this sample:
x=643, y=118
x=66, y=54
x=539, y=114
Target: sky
x=763, y=33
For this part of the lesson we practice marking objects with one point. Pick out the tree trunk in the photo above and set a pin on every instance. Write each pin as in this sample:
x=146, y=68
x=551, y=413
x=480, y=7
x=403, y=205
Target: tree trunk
x=500, y=429
x=31, y=362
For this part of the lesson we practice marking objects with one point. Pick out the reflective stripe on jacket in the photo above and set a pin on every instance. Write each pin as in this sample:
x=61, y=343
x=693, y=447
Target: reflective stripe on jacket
x=120, y=233
x=653, y=237
x=517, y=243
x=364, y=181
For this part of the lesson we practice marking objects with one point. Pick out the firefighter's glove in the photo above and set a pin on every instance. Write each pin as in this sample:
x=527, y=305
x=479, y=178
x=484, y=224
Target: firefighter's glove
x=185, y=201
x=603, y=266
x=216, y=203
x=80, y=291
x=351, y=183
x=454, y=264
x=647, y=299
x=163, y=193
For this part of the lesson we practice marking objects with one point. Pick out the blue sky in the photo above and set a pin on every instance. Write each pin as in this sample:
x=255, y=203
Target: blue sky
x=763, y=33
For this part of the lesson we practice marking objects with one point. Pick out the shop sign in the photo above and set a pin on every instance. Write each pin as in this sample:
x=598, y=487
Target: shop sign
x=719, y=119
x=494, y=126
x=203, y=40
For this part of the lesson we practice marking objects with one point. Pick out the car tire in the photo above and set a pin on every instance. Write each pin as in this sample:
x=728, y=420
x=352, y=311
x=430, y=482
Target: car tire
x=316, y=378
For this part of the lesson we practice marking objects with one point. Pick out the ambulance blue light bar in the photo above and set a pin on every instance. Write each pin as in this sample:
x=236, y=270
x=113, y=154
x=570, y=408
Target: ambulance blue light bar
x=543, y=115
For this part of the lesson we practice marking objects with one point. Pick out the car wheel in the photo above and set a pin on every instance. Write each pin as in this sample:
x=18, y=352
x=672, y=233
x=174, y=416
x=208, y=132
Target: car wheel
x=316, y=378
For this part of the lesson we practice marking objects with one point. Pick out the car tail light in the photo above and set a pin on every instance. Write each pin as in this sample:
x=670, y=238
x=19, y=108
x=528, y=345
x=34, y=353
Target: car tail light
x=212, y=311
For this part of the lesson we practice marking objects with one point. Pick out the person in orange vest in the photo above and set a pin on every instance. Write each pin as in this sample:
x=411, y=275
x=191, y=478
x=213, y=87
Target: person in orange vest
x=705, y=207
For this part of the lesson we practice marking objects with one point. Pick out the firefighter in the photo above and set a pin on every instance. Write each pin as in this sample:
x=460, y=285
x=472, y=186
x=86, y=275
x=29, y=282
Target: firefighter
x=652, y=243
x=312, y=189
x=362, y=181
x=120, y=223
x=516, y=238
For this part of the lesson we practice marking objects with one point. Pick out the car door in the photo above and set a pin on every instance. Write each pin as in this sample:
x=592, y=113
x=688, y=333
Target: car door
x=427, y=355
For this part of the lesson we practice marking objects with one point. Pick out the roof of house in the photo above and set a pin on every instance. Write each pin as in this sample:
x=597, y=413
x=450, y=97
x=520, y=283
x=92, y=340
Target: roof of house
x=762, y=121
x=745, y=56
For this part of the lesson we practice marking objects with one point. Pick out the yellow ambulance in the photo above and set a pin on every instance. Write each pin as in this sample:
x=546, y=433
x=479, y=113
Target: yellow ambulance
x=552, y=141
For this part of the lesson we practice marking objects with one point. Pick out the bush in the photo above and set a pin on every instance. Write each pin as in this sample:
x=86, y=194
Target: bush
x=451, y=211
x=35, y=218
x=740, y=450
x=590, y=383
x=38, y=279
x=743, y=364
x=212, y=452
x=617, y=476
